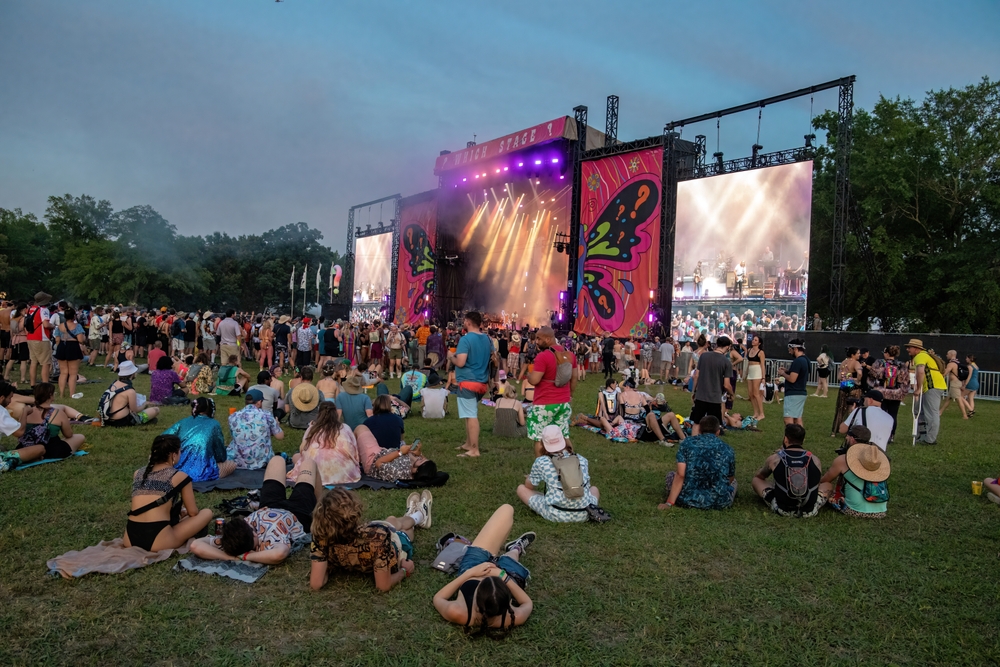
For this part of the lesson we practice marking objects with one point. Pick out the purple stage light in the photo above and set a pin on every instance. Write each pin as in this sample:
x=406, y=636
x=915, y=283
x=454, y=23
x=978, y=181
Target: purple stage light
x=506, y=168
x=464, y=180
x=562, y=296
x=498, y=171
x=560, y=317
x=555, y=159
x=651, y=318
x=538, y=161
x=561, y=177
x=520, y=164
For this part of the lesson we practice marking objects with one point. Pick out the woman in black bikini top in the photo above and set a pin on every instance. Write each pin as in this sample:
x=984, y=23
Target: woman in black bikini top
x=159, y=491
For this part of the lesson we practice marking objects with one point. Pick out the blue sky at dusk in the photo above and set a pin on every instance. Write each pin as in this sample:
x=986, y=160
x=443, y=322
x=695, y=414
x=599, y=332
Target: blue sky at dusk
x=240, y=116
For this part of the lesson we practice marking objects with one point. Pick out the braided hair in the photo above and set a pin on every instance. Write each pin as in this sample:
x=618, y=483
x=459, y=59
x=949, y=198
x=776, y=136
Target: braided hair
x=203, y=406
x=493, y=598
x=163, y=447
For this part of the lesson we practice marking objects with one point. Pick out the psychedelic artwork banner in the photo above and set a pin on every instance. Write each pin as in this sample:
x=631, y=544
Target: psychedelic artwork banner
x=415, y=283
x=619, y=245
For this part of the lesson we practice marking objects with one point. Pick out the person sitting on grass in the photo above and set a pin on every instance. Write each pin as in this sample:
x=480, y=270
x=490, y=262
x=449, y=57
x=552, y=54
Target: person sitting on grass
x=609, y=409
x=382, y=548
x=566, y=477
x=122, y=402
x=203, y=447
x=354, y=405
x=40, y=428
x=303, y=401
x=854, y=484
x=435, y=398
x=415, y=380
x=267, y=534
x=509, y=420
x=797, y=473
x=252, y=429
x=273, y=401
x=706, y=471
x=491, y=579
x=232, y=379
x=328, y=385
x=992, y=486
x=162, y=382
x=160, y=495
x=671, y=425
x=330, y=445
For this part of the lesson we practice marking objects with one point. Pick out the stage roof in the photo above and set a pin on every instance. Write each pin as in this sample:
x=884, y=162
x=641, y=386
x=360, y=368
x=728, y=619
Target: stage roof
x=560, y=128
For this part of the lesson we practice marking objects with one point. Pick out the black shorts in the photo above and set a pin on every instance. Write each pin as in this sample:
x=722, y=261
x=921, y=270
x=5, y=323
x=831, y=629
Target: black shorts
x=704, y=409
x=69, y=350
x=20, y=352
x=301, y=502
x=4, y=339
x=57, y=449
x=823, y=372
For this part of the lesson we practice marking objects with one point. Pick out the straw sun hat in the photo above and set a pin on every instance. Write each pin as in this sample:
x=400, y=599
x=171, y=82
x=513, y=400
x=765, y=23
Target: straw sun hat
x=868, y=462
x=305, y=396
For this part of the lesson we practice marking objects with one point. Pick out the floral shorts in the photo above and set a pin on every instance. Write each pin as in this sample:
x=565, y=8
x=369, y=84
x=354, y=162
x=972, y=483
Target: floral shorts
x=540, y=416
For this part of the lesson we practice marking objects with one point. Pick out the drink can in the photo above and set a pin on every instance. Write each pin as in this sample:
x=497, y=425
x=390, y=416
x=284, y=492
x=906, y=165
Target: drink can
x=219, y=524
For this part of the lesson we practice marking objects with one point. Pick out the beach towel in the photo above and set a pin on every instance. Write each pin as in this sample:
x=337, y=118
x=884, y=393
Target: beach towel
x=108, y=557
x=239, y=570
x=622, y=433
x=44, y=461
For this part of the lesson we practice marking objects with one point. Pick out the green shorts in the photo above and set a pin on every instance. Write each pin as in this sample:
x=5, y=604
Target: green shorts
x=395, y=354
x=540, y=416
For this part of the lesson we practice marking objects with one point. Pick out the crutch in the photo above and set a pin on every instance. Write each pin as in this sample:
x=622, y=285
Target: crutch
x=917, y=404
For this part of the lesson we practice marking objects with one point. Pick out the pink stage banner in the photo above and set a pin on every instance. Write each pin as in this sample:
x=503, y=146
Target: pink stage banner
x=415, y=284
x=533, y=136
x=619, y=246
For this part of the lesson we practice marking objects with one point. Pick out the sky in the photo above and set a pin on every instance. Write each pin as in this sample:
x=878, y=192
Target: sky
x=244, y=115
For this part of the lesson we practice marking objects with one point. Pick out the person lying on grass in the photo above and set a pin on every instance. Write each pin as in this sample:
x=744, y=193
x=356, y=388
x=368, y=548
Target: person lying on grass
x=491, y=580
x=992, y=486
x=44, y=431
x=794, y=491
x=383, y=549
x=568, y=492
x=266, y=535
x=706, y=469
x=160, y=496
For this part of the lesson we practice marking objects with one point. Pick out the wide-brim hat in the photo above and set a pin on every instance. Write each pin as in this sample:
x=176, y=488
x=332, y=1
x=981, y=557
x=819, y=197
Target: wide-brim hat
x=515, y=337
x=352, y=385
x=868, y=462
x=917, y=343
x=42, y=299
x=305, y=397
x=207, y=314
x=284, y=319
x=127, y=368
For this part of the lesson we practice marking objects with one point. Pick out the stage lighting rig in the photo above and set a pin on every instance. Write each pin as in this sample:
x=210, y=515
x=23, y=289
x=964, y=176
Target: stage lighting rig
x=810, y=138
x=562, y=243
x=720, y=165
x=756, y=149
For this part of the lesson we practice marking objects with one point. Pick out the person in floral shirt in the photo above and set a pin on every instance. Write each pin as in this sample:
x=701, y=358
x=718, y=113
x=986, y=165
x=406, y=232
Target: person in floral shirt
x=252, y=429
x=706, y=471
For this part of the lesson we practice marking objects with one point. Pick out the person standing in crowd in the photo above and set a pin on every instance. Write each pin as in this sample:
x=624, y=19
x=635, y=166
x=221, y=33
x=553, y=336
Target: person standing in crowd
x=551, y=403
x=793, y=491
x=608, y=355
x=230, y=334
x=208, y=335
x=303, y=344
x=971, y=384
x=705, y=477
x=850, y=387
x=281, y=340
x=712, y=381
x=954, y=383
x=927, y=392
x=755, y=377
x=823, y=372
x=796, y=376
x=471, y=360
x=37, y=324
x=5, y=311
x=396, y=342
x=19, y=353
x=666, y=359
x=892, y=378
x=69, y=352
x=423, y=333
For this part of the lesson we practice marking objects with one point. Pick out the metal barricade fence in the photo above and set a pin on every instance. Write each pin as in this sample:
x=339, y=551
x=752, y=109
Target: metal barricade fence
x=989, y=381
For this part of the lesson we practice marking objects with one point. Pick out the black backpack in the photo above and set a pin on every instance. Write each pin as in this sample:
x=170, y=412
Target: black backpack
x=29, y=319
x=795, y=484
x=963, y=371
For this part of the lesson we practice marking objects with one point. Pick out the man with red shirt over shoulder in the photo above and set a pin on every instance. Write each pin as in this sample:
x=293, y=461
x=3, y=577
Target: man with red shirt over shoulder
x=39, y=341
x=554, y=378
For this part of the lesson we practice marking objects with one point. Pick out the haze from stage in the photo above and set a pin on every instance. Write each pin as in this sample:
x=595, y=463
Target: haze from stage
x=746, y=216
x=372, y=267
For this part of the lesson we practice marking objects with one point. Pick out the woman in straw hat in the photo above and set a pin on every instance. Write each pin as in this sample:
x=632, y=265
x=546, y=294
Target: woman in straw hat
x=859, y=475
x=304, y=400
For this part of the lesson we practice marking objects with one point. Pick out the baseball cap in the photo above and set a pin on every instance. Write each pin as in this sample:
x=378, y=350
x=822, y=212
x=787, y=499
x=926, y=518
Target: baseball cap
x=552, y=439
x=255, y=395
x=875, y=395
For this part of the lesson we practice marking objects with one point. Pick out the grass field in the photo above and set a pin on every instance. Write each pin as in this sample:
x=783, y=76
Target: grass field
x=688, y=587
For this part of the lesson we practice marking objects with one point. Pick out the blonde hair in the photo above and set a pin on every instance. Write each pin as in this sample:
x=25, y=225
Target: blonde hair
x=509, y=392
x=337, y=518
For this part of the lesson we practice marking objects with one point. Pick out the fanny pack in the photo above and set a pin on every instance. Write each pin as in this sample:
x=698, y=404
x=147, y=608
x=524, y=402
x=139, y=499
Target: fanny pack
x=471, y=389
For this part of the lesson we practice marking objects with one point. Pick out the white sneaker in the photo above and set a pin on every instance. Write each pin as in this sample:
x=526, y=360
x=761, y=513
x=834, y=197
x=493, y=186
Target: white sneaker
x=426, y=500
x=993, y=498
x=413, y=503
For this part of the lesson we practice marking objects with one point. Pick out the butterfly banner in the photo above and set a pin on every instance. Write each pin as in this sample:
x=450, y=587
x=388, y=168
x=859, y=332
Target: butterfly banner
x=619, y=243
x=415, y=282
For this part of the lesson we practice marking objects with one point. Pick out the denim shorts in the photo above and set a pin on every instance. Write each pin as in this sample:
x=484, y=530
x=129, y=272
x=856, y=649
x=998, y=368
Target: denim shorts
x=477, y=556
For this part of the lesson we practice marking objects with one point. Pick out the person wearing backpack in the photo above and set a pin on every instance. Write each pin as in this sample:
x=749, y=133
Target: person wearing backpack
x=566, y=477
x=37, y=325
x=893, y=380
x=119, y=404
x=857, y=482
x=956, y=373
x=554, y=378
x=794, y=491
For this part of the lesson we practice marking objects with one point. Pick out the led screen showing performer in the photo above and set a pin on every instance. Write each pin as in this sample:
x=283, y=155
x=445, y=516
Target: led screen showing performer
x=373, y=268
x=497, y=247
x=744, y=235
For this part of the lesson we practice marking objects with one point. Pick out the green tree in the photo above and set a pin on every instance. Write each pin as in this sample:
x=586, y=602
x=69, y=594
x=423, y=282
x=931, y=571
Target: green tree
x=26, y=257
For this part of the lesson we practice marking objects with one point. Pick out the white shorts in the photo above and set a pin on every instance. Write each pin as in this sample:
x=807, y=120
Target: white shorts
x=753, y=372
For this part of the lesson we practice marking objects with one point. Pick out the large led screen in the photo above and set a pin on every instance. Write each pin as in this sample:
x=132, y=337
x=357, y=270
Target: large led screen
x=744, y=236
x=372, y=268
x=497, y=248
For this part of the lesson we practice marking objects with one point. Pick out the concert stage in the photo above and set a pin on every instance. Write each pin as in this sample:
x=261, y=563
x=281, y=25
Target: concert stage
x=790, y=305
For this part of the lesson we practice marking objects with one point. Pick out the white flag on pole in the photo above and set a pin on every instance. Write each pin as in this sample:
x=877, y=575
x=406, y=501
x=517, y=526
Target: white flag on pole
x=302, y=285
x=291, y=281
x=318, y=270
x=331, y=274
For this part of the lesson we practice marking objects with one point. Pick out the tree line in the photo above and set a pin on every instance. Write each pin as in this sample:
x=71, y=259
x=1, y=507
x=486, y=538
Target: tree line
x=85, y=251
